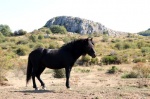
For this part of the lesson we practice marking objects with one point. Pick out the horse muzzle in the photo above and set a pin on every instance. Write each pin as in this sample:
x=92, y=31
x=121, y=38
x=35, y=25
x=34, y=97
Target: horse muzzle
x=93, y=56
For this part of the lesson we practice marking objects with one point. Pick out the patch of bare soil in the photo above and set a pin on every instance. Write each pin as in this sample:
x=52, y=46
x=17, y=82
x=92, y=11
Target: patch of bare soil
x=86, y=83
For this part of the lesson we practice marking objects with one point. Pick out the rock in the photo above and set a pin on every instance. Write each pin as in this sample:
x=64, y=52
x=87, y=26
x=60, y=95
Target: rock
x=81, y=26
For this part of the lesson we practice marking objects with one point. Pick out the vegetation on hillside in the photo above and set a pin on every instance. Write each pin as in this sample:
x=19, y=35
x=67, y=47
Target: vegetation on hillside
x=109, y=50
x=145, y=33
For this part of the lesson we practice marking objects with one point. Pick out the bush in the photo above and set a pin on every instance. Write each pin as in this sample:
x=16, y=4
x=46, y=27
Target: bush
x=110, y=59
x=59, y=73
x=38, y=45
x=40, y=37
x=94, y=61
x=119, y=46
x=66, y=39
x=85, y=59
x=113, y=70
x=22, y=50
x=22, y=42
x=58, y=29
x=126, y=45
x=139, y=59
x=53, y=45
x=33, y=38
x=19, y=32
x=145, y=50
x=130, y=75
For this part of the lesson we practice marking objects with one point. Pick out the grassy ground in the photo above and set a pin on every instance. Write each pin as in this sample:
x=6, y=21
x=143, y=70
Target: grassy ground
x=86, y=82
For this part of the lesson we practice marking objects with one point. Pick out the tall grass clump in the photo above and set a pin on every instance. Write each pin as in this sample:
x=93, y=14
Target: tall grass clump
x=113, y=70
x=59, y=73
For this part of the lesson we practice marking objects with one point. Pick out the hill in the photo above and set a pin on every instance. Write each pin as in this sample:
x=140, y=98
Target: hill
x=81, y=26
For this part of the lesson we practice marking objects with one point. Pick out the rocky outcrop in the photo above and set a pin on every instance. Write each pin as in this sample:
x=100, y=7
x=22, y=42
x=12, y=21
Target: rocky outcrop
x=82, y=26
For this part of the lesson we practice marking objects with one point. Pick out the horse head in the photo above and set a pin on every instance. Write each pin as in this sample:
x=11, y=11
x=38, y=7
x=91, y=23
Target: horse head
x=90, y=47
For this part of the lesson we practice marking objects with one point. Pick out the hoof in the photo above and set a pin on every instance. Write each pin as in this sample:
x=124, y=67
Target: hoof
x=44, y=88
x=36, y=89
x=69, y=88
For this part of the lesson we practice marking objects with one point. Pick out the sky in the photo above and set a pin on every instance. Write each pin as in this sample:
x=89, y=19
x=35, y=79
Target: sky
x=120, y=15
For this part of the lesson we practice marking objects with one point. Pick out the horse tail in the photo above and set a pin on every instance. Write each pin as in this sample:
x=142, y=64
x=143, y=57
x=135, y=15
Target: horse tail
x=29, y=70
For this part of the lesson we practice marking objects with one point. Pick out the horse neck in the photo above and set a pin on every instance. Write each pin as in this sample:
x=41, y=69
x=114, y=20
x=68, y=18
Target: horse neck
x=75, y=48
x=77, y=52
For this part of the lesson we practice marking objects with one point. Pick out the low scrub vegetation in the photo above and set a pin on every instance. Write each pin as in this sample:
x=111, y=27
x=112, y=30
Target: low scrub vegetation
x=59, y=73
x=113, y=70
x=140, y=71
x=110, y=50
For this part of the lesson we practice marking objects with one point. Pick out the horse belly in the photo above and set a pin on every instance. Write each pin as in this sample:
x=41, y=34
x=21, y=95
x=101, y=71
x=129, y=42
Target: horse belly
x=53, y=64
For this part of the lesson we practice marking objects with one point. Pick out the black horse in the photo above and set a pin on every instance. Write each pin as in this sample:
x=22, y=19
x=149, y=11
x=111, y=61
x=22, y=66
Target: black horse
x=64, y=57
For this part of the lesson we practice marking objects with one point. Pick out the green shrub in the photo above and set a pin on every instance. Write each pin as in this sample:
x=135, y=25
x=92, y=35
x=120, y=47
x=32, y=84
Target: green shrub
x=145, y=50
x=119, y=46
x=53, y=45
x=130, y=75
x=126, y=45
x=33, y=38
x=22, y=50
x=85, y=60
x=40, y=37
x=66, y=39
x=94, y=61
x=59, y=73
x=85, y=70
x=139, y=59
x=22, y=42
x=110, y=59
x=38, y=45
x=113, y=70
x=31, y=45
x=58, y=29
x=140, y=44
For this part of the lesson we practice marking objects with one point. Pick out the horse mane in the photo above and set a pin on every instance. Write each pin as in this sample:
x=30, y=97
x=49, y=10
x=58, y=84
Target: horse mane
x=72, y=44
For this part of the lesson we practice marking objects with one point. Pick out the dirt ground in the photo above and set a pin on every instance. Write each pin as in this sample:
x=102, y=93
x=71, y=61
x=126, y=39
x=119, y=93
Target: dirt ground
x=86, y=83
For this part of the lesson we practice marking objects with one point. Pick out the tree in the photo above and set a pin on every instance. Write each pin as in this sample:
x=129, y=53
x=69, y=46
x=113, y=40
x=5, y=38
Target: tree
x=5, y=30
x=20, y=32
x=145, y=33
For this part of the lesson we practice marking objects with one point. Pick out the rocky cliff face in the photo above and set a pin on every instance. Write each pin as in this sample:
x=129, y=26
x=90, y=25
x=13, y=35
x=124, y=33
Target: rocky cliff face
x=82, y=26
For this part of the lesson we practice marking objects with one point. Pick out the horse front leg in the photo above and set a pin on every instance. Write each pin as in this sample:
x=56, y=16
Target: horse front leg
x=68, y=70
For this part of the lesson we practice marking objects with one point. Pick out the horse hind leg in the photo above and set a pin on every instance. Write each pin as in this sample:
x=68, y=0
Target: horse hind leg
x=34, y=83
x=34, y=73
